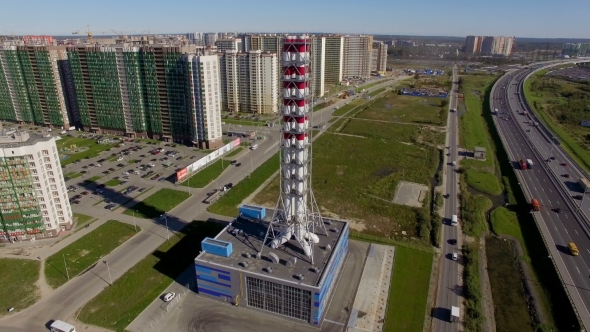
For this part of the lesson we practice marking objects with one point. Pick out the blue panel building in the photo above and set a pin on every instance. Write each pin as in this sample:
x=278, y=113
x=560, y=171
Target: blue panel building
x=281, y=281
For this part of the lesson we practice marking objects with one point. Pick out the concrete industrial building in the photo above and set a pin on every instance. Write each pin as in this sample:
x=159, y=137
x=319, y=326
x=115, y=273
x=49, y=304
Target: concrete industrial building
x=287, y=264
x=250, y=82
x=33, y=196
x=31, y=87
x=489, y=45
x=379, y=57
x=357, y=56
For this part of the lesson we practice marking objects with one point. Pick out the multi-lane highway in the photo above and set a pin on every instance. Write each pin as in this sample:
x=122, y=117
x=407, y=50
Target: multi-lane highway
x=449, y=281
x=557, y=219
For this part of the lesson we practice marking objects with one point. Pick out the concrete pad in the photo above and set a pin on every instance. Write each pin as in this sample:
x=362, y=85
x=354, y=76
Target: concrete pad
x=410, y=194
x=370, y=303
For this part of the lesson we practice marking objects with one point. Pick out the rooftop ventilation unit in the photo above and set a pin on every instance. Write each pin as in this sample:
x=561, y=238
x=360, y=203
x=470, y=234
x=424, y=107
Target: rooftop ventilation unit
x=273, y=257
x=244, y=264
x=268, y=269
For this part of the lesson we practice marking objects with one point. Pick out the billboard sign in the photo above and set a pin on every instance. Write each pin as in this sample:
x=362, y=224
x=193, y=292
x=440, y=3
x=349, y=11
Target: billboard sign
x=180, y=175
x=586, y=123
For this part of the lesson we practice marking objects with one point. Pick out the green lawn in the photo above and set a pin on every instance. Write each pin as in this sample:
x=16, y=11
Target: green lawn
x=117, y=306
x=86, y=251
x=160, y=202
x=92, y=179
x=510, y=305
x=505, y=222
x=228, y=204
x=549, y=96
x=234, y=152
x=72, y=175
x=398, y=108
x=18, y=280
x=83, y=220
x=207, y=175
x=94, y=149
x=113, y=183
x=473, y=211
x=474, y=317
x=410, y=281
x=368, y=86
x=483, y=181
x=346, y=108
x=376, y=92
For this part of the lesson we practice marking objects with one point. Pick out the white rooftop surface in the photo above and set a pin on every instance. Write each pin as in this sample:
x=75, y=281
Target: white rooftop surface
x=370, y=303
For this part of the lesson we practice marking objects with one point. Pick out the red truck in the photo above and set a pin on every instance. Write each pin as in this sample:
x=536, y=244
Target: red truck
x=535, y=205
x=522, y=164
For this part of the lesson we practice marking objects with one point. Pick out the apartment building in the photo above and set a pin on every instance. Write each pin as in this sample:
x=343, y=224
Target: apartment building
x=334, y=60
x=205, y=92
x=576, y=49
x=357, y=56
x=250, y=81
x=31, y=87
x=379, y=57
x=210, y=38
x=229, y=44
x=318, y=65
x=489, y=45
x=33, y=195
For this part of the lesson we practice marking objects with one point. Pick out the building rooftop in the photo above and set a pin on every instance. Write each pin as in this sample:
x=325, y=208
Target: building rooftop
x=13, y=138
x=246, y=236
x=479, y=149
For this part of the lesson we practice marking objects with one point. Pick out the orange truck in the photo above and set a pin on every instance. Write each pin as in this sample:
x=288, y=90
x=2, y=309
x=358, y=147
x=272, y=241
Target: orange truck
x=535, y=205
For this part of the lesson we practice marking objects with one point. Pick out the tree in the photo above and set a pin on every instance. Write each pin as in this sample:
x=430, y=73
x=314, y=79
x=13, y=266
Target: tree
x=416, y=76
x=444, y=103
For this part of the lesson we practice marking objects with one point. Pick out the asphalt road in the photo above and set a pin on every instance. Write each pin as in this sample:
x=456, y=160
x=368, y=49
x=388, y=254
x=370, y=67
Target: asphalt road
x=449, y=283
x=63, y=302
x=543, y=182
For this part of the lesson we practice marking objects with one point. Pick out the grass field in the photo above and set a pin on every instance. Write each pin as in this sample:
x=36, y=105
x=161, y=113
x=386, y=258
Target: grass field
x=234, y=152
x=410, y=281
x=94, y=149
x=483, y=181
x=113, y=183
x=473, y=210
x=394, y=107
x=471, y=283
x=376, y=92
x=84, y=252
x=82, y=220
x=117, y=306
x=505, y=222
x=72, y=175
x=546, y=95
x=207, y=175
x=93, y=179
x=18, y=280
x=368, y=86
x=510, y=307
x=228, y=204
x=160, y=202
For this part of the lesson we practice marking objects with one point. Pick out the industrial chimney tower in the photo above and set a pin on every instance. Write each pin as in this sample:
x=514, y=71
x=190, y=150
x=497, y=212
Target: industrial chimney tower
x=296, y=214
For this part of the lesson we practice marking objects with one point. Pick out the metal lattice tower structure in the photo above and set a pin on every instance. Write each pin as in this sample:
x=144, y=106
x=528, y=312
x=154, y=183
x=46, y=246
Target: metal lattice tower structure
x=296, y=214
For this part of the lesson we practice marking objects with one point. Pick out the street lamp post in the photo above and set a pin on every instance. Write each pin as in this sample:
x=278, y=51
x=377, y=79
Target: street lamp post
x=134, y=224
x=167, y=231
x=109, y=269
x=66, y=266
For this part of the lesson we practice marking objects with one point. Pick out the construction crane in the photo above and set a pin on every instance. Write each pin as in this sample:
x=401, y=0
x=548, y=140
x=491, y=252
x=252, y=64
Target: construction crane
x=88, y=33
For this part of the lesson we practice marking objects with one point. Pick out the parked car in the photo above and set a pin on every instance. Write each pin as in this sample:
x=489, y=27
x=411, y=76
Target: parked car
x=238, y=164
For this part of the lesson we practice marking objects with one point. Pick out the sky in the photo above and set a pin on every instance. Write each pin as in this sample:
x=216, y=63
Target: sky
x=520, y=18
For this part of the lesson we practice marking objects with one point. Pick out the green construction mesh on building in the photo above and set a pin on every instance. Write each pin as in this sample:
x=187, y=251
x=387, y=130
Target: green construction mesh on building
x=48, y=82
x=31, y=84
x=177, y=87
x=104, y=79
x=81, y=96
x=7, y=111
x=150, y=89
x=135, y=88
x=19, y=85
x=19, y=208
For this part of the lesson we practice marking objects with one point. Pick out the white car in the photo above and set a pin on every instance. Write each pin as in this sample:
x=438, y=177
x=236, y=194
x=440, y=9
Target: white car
x=120, y=158
x=455, y=257
x=169, y=296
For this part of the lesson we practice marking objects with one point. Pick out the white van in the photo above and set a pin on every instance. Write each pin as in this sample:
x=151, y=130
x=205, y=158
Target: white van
x=61, y=326
x=454, y=163
x=454, y=220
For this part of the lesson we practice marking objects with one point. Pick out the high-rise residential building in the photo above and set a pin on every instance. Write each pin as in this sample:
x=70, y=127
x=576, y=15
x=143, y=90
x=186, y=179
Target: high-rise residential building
x=31, y=87
x=38, y=40
x=318, y=65
x=576, y=49
x=250, y=81
x=33, y=196
x=489, y=45
x=194, y=37
x=357, y=56
x=229, y=44
x=210, y=38
x=205, y=92
x=379, y=57
x=334, y=60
